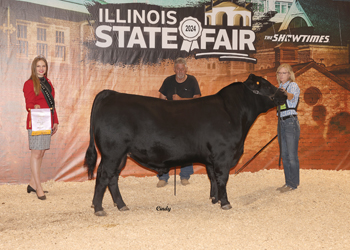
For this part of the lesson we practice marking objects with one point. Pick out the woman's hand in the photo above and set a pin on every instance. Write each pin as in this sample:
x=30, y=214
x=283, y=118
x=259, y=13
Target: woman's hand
x=54, y=128
x=37, y=106
x=290, y=96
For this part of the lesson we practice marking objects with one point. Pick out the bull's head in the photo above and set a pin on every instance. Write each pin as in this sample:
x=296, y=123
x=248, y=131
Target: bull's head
x=261, y=86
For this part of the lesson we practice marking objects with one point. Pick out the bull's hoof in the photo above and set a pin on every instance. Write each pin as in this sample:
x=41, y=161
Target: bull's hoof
x=100, y=213
x=226, y=207
x=214, y=200
x=125, y=208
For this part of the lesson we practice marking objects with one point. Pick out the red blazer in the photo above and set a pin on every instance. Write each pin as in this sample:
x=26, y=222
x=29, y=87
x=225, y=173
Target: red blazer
x=32, y=99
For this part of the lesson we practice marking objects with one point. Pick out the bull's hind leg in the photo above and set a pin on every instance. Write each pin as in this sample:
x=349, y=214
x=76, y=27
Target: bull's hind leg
x=106, y=171
x=100, y=188
x=114, y=187
x=213, y=184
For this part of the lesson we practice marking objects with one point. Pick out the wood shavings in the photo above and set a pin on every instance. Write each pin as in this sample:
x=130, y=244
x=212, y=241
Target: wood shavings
x=315, y=216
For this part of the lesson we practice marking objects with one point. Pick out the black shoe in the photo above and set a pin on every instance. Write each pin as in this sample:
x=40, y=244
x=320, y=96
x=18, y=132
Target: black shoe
x=30, y=189
x=42, y=197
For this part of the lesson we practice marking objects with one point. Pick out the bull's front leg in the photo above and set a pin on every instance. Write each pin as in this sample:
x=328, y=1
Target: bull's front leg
x=213, y=184
x=222, y=174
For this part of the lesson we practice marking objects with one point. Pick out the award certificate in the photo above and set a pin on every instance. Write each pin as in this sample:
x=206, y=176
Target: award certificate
x=41, y=121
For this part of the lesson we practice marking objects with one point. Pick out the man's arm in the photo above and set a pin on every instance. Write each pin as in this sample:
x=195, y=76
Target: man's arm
x=176, y=97
x=161, y=96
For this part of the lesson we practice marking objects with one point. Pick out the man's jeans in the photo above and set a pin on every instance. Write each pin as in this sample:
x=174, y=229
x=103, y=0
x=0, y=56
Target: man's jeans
x=184, y=174
x=290, y=133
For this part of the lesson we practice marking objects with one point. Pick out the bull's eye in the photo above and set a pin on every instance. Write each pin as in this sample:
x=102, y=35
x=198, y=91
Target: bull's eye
x=257, y=83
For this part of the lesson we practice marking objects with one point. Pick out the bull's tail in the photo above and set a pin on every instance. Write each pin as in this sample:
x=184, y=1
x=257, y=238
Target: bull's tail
x=91, y=153
x=91, y=156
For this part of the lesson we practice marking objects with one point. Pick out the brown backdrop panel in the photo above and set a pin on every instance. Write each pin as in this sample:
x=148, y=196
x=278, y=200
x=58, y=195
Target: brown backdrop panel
x=324, y=109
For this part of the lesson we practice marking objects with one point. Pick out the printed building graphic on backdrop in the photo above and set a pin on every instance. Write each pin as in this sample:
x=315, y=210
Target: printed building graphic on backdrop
x=229, y=14
x=275, y=32
x=296, y=18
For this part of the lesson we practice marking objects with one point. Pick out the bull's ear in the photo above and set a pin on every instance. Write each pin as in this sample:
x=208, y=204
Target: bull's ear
x=251, y=76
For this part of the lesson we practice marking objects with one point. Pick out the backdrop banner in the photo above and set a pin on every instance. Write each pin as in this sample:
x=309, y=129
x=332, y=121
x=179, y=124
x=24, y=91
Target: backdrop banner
x=130, y=46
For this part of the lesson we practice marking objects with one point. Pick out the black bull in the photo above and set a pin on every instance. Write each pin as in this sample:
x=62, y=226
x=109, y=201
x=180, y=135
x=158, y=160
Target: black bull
x=161, y=134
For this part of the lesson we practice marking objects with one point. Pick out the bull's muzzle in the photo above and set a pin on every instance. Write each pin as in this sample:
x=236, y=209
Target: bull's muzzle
x=279, y=97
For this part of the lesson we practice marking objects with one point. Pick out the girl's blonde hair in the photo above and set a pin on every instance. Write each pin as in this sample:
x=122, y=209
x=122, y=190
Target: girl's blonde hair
x=289, y=69
x=34, y=76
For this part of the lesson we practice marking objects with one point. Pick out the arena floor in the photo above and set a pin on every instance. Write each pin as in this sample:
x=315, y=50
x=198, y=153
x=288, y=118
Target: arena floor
x=315, y=216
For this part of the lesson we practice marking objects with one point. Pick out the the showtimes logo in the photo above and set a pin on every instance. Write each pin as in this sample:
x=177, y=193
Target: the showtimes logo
x=298, y=38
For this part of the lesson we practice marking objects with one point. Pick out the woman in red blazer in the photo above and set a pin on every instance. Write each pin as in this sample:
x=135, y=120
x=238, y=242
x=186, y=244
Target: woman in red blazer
x=35, y=99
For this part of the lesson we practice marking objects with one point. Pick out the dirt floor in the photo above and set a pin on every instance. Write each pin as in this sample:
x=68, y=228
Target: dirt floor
x=315, y=216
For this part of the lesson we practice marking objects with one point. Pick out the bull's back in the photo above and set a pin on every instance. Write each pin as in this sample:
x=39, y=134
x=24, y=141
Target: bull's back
x=114, y=107
x=143, y=120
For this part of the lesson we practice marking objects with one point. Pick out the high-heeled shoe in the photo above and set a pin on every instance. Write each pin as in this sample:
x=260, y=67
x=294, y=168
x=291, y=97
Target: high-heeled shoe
x=30, y=189
x=42, y=197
